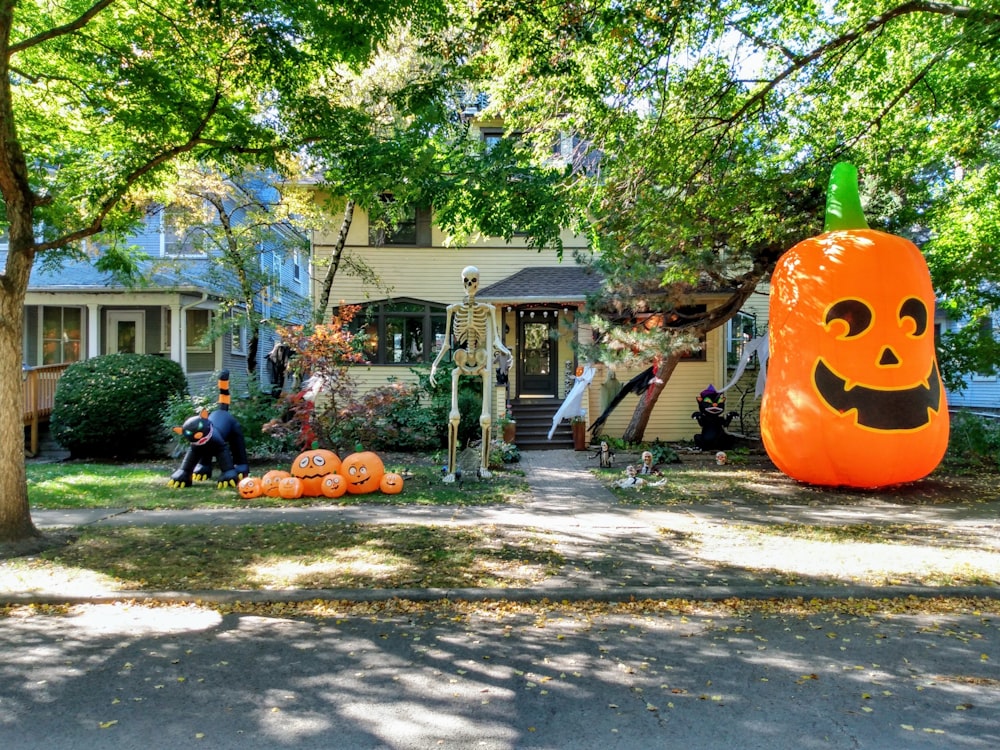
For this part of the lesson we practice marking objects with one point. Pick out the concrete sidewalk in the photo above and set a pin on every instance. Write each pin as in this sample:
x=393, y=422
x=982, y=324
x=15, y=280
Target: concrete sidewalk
x=615, y=551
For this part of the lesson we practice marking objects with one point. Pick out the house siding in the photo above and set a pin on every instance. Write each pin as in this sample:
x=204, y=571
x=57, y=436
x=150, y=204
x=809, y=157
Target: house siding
x=433, y=273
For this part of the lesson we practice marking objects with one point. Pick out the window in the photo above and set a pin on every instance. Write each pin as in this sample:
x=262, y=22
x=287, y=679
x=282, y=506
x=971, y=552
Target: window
x=397, y=224
x=238, y=335
x=61, y=335
x=682, y=316
x=297, y=264
x=276, y=276
x=739, y=332
x=198, y=324
x=401, y=331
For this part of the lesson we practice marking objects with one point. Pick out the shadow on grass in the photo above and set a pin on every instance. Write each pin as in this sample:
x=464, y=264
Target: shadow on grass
x=297, y=556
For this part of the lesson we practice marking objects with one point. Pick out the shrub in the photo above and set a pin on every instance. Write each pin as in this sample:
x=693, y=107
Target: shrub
x=387, y=418
x=438, y=402
x=111, y=406
x=974, y=442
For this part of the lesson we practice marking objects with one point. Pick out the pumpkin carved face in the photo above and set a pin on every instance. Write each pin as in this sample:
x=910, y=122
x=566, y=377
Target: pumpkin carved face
x=290, y=488
x=333, y=485
x=363, y=472
x=269, y=482
x=391, y=484
x=853, y=394
x=311, y=466
x=250, y=487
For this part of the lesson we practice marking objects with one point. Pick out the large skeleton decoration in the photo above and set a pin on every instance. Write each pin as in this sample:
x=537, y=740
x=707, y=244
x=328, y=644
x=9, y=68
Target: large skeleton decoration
x=473, y=327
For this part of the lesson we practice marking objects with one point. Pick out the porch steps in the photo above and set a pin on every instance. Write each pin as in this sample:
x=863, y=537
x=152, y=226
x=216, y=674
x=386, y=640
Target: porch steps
x=534, y=420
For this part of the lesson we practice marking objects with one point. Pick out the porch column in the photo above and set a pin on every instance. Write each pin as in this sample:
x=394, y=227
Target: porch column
x=177, y=333
x=93, y=330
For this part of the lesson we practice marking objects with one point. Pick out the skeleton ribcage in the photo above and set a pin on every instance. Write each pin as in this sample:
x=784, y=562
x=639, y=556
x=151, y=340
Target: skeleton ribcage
x=470, y=326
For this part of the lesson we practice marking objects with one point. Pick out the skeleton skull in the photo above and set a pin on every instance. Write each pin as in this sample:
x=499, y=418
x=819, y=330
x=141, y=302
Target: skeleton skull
x=470, y=278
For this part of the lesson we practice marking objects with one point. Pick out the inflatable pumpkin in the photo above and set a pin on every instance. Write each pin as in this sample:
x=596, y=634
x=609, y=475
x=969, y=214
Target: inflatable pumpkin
x=311, y=466
x=391, y=484
x=290, y=488
x=250, y=487
x=853, y=395
x=363, y=472
x=269, y=482
x=333, y=485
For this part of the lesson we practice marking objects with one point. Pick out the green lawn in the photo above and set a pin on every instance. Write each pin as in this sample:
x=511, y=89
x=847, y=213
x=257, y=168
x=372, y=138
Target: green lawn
x=74, y=484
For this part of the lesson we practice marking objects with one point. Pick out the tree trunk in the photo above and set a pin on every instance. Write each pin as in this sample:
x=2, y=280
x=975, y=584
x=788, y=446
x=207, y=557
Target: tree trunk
x=640, y=417
x=15, y=518
x=335, y=257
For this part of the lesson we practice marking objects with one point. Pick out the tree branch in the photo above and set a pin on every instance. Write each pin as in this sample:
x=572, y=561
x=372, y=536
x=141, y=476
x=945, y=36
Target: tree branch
x=63, y=30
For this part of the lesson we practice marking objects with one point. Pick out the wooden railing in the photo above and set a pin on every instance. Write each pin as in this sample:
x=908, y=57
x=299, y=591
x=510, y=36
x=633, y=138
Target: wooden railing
x=39, y=398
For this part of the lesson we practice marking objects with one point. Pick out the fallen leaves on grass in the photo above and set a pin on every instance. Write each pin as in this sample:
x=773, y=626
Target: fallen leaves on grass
x=294, y=556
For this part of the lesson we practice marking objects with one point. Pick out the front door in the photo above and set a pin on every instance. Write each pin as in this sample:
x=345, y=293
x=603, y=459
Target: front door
x=126, y=332
x=537, y=363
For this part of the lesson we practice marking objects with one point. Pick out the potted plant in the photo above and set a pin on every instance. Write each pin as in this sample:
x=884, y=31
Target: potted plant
x=507, y=427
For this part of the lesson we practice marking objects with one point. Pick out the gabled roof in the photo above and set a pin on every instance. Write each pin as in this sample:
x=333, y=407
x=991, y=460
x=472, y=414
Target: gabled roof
x=553, y=284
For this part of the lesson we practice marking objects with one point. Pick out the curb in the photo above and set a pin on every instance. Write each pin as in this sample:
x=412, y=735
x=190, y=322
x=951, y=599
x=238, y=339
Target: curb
x=558, y=594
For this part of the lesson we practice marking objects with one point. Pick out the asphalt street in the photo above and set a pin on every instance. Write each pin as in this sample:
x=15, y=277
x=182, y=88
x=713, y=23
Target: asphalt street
x=131, y=676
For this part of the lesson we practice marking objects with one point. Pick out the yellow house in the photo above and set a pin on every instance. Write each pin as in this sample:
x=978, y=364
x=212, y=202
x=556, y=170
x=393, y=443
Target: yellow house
x=539, y=299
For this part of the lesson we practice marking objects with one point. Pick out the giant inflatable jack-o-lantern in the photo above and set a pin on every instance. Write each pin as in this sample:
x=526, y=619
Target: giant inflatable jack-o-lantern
x=853, y=394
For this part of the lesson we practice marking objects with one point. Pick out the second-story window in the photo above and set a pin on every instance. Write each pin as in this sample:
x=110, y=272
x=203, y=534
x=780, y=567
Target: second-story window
x=397, y=224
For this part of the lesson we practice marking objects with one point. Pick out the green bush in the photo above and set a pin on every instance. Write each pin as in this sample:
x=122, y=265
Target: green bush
x=974, y=442
x=387, y=418
x=252, y=411
x=437, y=398
x=111, y=406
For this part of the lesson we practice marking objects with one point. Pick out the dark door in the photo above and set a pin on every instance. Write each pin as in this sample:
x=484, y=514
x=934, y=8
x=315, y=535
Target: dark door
x=537, y=360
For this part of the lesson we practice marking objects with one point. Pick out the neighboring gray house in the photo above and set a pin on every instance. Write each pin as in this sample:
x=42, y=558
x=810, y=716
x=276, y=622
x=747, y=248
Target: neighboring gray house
x=981, y=392
x=76, y=312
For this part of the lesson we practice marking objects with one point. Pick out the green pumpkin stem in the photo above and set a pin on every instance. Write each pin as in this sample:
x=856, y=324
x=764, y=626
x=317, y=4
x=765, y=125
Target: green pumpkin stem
x=843, y=204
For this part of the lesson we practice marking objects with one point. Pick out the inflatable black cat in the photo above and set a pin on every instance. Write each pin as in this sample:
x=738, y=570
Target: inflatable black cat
x=711, y=405
x=214, y=437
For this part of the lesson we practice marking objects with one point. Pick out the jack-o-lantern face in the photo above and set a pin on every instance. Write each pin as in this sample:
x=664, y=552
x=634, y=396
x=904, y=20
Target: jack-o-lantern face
x=269, y=482
x=290, y=488
x=311, y=466
x=391, y=484
x=250, y=487
x=333, y=485
x=363, y=472
x=853, y=394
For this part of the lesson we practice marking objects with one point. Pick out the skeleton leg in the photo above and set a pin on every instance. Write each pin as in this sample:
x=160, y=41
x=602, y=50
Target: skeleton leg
x=454, y=417
x=485, y=421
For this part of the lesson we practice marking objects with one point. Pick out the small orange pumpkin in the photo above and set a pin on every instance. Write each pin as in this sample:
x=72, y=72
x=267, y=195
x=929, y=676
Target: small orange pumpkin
x=333, y=485
x=250, y=487
x=853, y=394
x=290, y=488
x=269, y=482
x=311, y=466
x=363, y=472
x=391, y=484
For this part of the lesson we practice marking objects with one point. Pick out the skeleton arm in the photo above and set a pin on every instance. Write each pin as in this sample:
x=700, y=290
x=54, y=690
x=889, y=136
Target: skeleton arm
x=446, y=346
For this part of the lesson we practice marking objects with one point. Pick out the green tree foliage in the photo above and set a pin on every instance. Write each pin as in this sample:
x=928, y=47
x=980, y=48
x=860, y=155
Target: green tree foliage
x=712, y=130
x=100, y=98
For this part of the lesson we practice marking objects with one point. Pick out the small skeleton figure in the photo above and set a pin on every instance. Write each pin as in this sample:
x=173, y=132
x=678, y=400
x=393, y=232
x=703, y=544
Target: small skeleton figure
x=476, y=334
x=606, y=455
x=647, y=464
x=631, y=478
